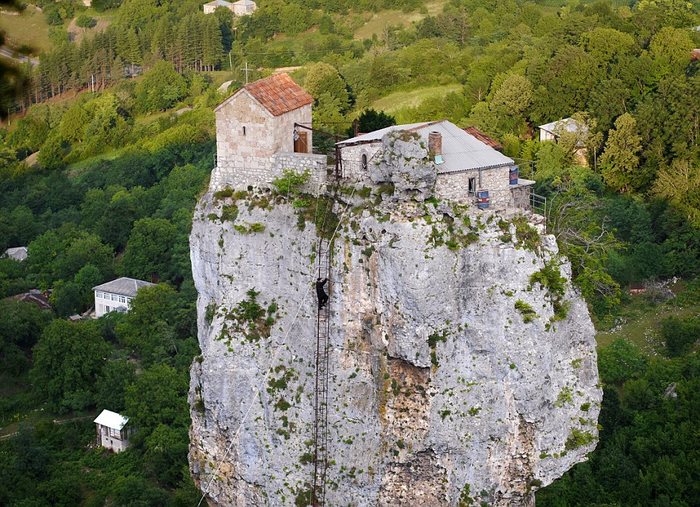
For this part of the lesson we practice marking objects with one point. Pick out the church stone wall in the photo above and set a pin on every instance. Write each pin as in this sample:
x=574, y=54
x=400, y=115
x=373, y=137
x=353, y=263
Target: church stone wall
x=455, y=186
x=250, y=140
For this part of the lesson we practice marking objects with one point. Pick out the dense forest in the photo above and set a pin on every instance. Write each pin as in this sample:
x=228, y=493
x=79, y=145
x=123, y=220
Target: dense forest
x=114, y=141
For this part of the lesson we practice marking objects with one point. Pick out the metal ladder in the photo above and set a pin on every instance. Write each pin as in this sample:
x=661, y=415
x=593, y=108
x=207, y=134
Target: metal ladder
x=321, y=391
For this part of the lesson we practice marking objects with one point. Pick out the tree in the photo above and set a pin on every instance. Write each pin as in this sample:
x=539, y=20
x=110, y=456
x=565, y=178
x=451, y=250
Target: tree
x=110, y=387
x=680, y=334
x=669, y=49
x=620, y=158
x=166, y=450
x=68, y=359
x=371, y=120
x=680, y=184
x=159, y=396
x=323, y=78
x=621, y=361
x=145, y=327
x=53, y=152
x=61, y=253
x=149, y=249
x=160, y=88
x=85, y=21
x=20, y=328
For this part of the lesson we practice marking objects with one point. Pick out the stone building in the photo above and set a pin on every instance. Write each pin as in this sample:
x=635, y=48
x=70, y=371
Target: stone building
x=116, y=295
x=468, y=169
x=112, y=433
x=262, y=129
x=240, y=8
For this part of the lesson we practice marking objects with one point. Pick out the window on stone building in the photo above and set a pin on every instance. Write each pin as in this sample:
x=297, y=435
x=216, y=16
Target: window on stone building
x=472, y=186
x=243, y=129
x=364, y=162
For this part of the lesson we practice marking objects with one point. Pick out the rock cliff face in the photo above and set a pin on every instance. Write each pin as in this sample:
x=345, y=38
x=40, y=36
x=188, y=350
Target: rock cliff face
x=462, y=366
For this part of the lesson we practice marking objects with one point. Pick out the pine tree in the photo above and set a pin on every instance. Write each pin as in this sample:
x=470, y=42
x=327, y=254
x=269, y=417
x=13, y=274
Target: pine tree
x=620, y=159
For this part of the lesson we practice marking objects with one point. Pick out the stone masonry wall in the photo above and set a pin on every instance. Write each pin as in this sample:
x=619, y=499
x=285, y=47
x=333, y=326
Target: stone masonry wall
x=258, y=141
x=452, y=186
x=240, y=172
x=252, y=159
x=352, y=160
x=300, y=162
x=455, y=186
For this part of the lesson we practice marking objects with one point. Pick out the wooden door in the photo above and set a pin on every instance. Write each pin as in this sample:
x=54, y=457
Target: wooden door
x=301, y=144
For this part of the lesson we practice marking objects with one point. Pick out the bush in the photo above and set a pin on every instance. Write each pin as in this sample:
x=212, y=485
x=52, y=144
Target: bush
x=679, y=334
x=525, y=310
x=85, y=21
x=291, y=181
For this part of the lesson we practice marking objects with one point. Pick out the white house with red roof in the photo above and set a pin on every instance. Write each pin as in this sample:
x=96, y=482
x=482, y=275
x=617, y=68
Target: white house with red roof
x=261, y=129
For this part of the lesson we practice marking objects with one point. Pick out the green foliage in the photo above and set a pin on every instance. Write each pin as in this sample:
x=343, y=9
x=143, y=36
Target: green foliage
x=433, y=340
x=85, y=21
x=250, y=319
x=159, y=396
x=550, y=279
x=371, y=120
x=620, y=158
x=149, y=329
x=53, y=153
x=680, y=334
x=291, y=181
x=61, y=253
x=149, y=250
x=526, y=311
x=324, y=79
x=68, y=358
x=20, y=327
x=578, y=438
x=160, y=88
x=526, y=234
x=620, y=361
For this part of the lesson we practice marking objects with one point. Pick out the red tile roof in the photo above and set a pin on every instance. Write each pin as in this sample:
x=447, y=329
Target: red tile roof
x=484, y=138
x=279, y=94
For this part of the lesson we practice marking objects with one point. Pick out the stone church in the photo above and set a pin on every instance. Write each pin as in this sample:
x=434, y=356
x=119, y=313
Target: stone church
x=265, y=128
x=262, y=129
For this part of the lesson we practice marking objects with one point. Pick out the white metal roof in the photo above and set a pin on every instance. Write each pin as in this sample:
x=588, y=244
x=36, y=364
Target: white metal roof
x=219, y=3
x=123, y=286
x=460, y=151
x=568, y=124
x=18, y=253
x=111, y=420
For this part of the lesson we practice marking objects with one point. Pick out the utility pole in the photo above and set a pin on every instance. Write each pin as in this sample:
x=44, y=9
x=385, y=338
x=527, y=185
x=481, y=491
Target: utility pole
x=230, y=64
x=246, y=69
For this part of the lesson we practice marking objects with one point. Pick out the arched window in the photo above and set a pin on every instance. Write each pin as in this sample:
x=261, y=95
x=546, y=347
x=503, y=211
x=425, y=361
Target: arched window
x=364, y=161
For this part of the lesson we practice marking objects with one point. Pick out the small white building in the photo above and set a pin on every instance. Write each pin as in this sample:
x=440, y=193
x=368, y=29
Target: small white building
x=262, y=129
x=239, y=8
x=111, y=431
x=552, y=131
x=116, y=295
x=468, y=169
x=18, y=253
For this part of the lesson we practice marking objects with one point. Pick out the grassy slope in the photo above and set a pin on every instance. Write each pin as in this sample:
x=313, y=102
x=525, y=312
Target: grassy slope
x=640, y=323
x=29, y=28
x=401, y=99
x=378, y=21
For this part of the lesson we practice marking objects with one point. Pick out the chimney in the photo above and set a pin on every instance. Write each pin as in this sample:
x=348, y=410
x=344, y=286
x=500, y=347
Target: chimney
x=435, y=143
